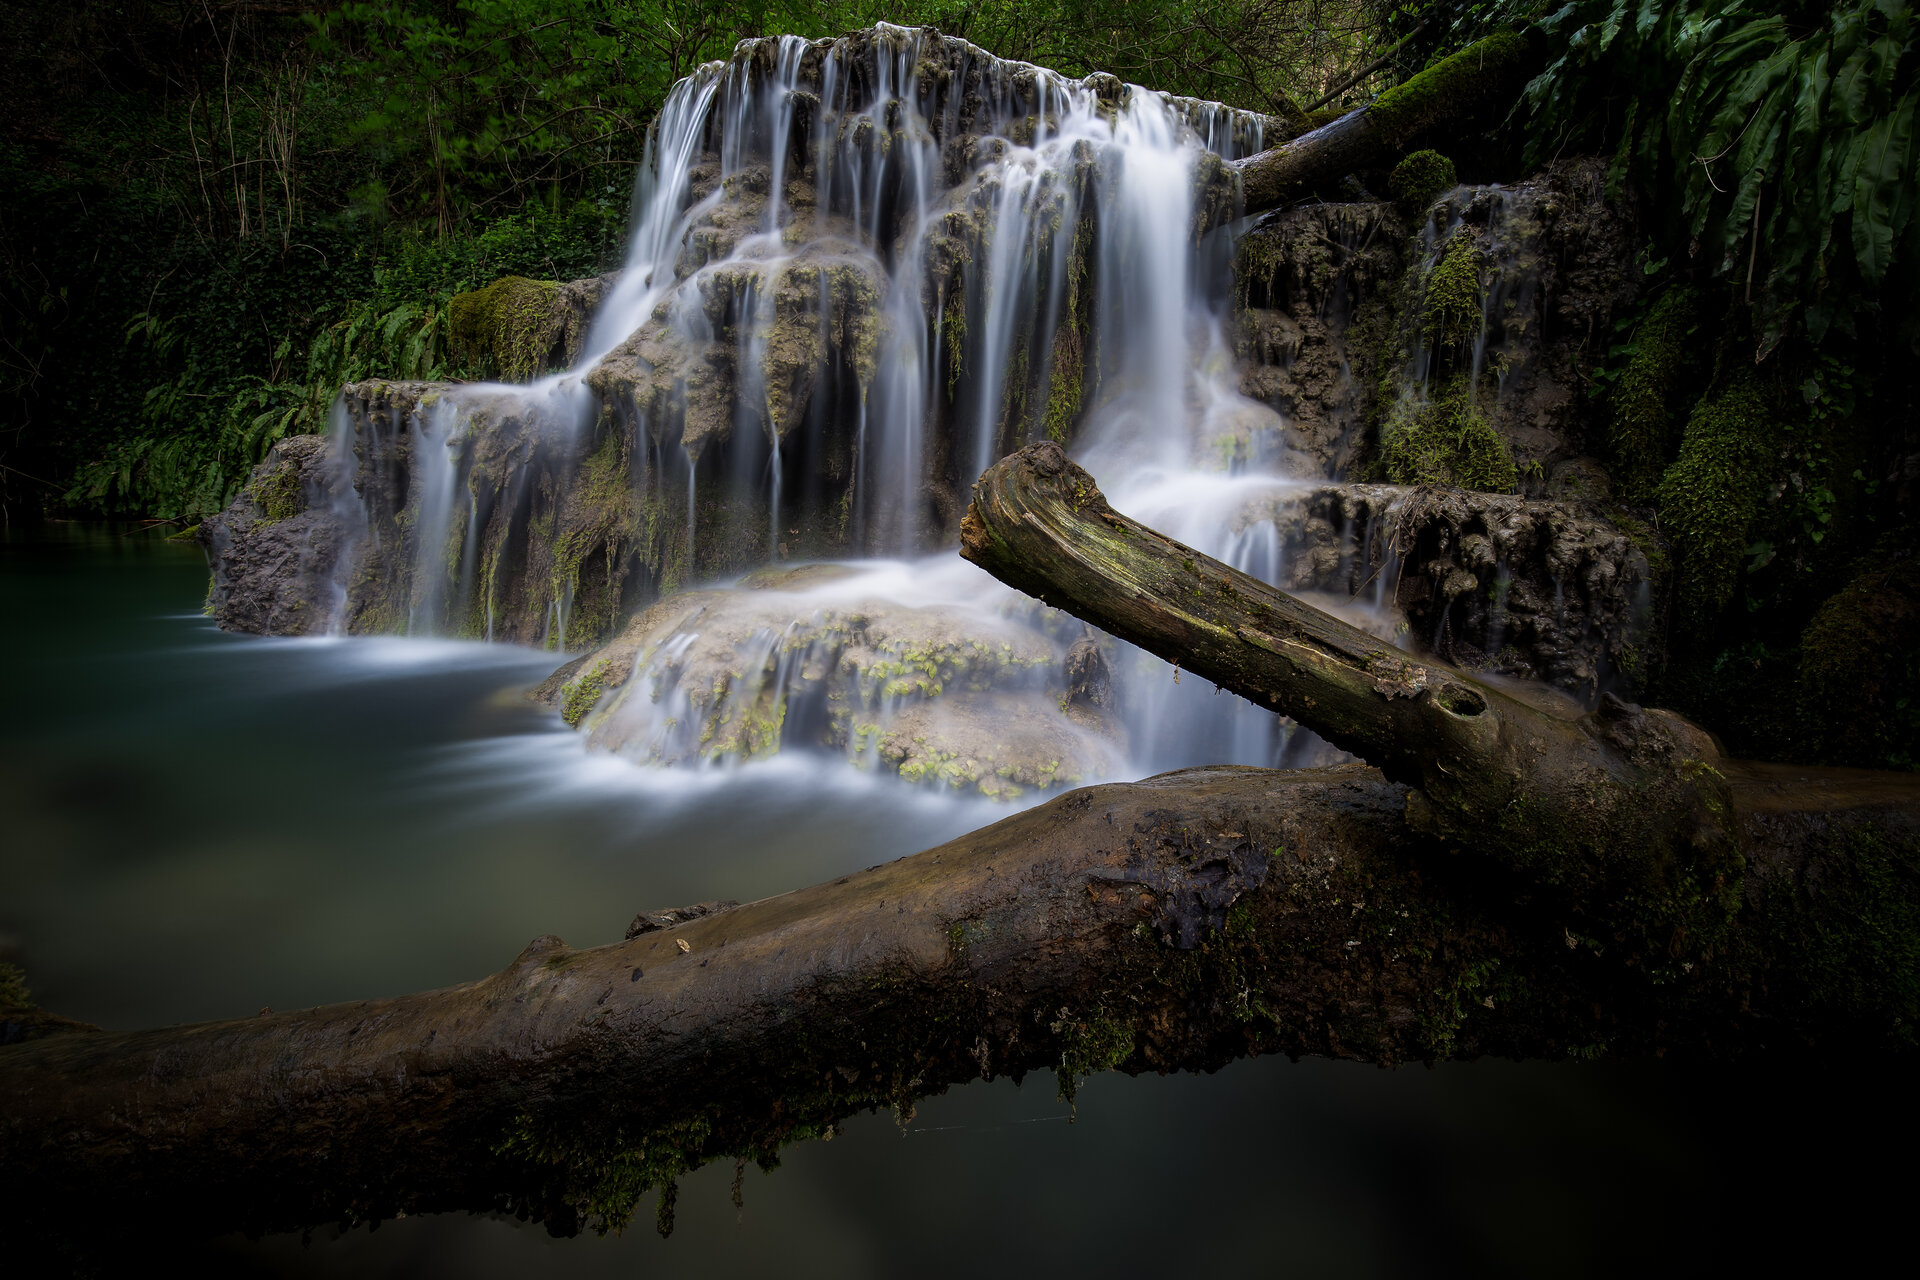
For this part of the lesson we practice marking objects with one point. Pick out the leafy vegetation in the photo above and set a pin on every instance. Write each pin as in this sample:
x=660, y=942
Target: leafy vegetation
x=1777, y=140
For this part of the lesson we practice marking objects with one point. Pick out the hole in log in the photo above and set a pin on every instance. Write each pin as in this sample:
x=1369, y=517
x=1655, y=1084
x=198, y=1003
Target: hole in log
x=1460, y=700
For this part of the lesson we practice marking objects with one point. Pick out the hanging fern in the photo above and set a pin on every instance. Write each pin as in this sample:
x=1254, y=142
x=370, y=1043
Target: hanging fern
x=1783, y=143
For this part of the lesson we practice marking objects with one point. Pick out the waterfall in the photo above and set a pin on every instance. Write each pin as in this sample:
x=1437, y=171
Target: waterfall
x=859, y=272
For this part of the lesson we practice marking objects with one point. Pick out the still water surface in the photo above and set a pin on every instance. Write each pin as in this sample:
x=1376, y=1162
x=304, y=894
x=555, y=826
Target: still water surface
x=197, y=825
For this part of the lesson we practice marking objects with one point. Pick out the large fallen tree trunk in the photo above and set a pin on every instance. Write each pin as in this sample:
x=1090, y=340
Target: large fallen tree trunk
x=1174, y=923
x=1481, y=77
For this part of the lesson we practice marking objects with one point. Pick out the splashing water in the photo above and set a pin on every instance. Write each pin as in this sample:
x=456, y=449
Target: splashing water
x=860, y=271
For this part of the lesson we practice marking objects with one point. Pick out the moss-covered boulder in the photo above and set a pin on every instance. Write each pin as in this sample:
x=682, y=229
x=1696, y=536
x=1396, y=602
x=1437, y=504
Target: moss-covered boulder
x=276, y=548
x=515, y=328
x=1421, y=178
x=1711, y=495
x=1650, y=400
x=1860, y=671
x=819, y=658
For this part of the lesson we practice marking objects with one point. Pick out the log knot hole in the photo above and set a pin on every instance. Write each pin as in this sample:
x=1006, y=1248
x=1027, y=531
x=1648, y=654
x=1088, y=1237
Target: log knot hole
x=1459, y=699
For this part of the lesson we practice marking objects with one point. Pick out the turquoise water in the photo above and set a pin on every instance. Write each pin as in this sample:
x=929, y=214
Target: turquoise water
x=198, y=825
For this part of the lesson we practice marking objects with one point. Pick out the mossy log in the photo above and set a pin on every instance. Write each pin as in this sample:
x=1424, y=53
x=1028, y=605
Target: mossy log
x=1484, y=76
x=1624, y=814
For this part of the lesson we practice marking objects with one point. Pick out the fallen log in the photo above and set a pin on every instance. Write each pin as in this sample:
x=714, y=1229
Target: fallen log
x=1624, y=816
x=1485, y=75
x=1175, y=923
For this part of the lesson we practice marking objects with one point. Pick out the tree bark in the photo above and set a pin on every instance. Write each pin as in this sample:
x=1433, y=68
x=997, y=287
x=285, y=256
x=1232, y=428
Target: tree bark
x=1484, y=75
x=1624, y=814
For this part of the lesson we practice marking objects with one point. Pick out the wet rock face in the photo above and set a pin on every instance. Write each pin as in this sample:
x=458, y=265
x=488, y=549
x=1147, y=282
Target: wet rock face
x=811, y=659
x=275, y=549
x=1308, y=280
x=1493, y=583
x=1340, y=320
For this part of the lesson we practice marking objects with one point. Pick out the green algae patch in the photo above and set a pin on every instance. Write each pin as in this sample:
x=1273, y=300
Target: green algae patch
x=1446, y=440
x=514, y=325
x=583, y=694
x=1422, y=178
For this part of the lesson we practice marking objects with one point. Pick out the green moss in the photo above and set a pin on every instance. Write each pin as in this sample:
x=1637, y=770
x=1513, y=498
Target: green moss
x=279, y=494
x=585, y=1155
x=1711, y=494
x=583, y=694
x=1859, y=683
x=1422, y=178
x=601, y=523
x=605, y=1183
x=1089, y=1043
x=956, y=327
x=1447, y=441
x=513, y=325
x=1651, y=392
x=1450, y=310
x=1406, y=109
x=1847, y=937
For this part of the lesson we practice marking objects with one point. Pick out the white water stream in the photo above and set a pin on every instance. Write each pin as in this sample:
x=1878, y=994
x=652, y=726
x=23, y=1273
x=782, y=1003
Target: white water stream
x=892, y=183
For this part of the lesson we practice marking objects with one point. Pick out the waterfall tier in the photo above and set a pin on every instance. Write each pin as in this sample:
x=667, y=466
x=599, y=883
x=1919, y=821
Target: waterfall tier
x=863, y=269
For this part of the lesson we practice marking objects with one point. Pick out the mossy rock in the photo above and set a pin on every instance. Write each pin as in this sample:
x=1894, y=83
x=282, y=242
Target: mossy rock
x=1860, y=671
x=1447, y=441
x=515, y=326
x=1711, y=494
x=1649, y=398
x=1421, y=178
x=278, y=491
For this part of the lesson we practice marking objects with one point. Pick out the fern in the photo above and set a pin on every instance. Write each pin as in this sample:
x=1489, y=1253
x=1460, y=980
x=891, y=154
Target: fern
x=1784, y=150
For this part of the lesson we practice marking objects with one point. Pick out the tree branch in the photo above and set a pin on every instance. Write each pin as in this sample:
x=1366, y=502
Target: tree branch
x=1623, y=811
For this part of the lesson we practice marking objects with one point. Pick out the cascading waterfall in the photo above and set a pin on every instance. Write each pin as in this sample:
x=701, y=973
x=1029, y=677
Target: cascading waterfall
x=859, y=272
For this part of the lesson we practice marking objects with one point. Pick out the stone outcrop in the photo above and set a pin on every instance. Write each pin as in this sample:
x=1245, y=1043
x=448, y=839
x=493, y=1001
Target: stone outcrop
x=813, y=658
x=274, y=550
x=1353, y=318
x=1494, y=583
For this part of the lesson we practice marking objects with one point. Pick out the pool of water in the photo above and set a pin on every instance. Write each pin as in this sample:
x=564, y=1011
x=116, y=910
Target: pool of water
x=198, y=825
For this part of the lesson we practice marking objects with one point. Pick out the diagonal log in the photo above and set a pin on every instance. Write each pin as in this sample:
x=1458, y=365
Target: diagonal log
x=1484, y=76
x=1623, y=813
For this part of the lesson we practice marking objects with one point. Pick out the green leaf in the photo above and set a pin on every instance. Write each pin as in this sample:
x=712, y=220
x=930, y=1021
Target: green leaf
x=1883, y=189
